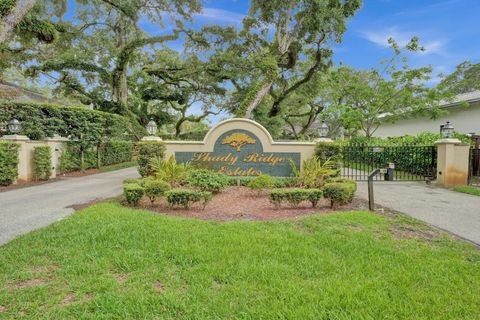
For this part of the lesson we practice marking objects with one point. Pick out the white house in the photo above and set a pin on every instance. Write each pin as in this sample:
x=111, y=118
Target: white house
x=464, y=119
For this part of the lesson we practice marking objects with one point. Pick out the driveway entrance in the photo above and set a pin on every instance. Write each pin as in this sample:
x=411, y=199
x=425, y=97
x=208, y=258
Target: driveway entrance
x=26, y=209
x=452, y=211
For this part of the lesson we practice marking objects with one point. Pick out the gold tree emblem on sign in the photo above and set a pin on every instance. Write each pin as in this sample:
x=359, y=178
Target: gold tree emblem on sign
x=238, y=140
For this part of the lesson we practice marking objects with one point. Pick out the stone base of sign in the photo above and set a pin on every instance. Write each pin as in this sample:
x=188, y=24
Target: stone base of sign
x=27, y=146
x=452, y=162
x=242, y=147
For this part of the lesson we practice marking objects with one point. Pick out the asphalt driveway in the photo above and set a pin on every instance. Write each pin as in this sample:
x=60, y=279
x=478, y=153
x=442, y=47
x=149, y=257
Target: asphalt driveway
x=26, y=209
x=452, y=211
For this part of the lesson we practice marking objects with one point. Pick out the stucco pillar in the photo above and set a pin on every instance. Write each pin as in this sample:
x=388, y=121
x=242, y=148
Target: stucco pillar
x=151, y=139
x=452, y=162
x=27, y=146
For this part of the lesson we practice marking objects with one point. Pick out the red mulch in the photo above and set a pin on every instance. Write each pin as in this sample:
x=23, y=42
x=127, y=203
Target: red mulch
x=240, y=203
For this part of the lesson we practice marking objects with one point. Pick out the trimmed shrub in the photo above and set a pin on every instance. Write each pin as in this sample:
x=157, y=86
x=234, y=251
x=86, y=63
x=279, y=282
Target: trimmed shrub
x=71, y=158
x=45, y=120
x=42, y=162
x=332, y=152
x=155, y=188
x=239, y=181
x=206, y=180
x=146, y=151
x=133, y=193
x=280, y=182
x=185, y=198
x=114, y=152
x=261, y=182
x=9, y=159
x=295, y=196
x=339, y=193
x=286, y=182
x=132, y=180
x=343, y=180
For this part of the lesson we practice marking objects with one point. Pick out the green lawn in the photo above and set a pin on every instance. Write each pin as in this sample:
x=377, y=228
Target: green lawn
x=468, y=189
x=111, y=262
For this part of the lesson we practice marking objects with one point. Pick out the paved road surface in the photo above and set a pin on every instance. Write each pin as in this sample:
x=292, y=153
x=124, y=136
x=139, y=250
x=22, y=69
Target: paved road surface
x=23, y=210
x=455, y=212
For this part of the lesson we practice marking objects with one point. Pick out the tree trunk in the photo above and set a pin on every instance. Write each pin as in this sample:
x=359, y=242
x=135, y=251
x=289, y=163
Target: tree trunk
x=258, y=98
x=10, y=21
x=123, y=86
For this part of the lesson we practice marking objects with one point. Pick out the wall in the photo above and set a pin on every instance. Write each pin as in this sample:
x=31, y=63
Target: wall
x=305, y=149
x=465, y=120
x=25, y=166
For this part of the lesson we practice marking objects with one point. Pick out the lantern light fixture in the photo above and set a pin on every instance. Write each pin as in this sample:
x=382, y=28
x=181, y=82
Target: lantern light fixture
x=14, y=126
x=446, y=130
x=151, y=127
x=323, y=130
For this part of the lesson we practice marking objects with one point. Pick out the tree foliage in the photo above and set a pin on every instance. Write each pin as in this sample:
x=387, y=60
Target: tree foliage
x=465, y=78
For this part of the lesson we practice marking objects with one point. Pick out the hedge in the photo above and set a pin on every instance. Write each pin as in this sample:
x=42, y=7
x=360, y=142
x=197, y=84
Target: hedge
x=9, y=158
x=133, y=193
x=185, y=198
x=71, y=158
x=295, y=196
x=114, y=152
x=45, y=120
x=339, y=193
x=42, y=162
x=146, y=150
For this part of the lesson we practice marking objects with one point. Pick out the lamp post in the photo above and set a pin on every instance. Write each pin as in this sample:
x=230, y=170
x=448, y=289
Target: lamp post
x=446, y=130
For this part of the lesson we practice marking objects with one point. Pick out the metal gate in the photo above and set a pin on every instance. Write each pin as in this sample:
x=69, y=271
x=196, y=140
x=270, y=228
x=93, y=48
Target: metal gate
x=409, y=162
x=474, y=169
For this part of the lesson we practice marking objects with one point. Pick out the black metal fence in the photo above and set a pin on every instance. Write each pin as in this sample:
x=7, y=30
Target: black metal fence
x=409, y=162
x=474, y=177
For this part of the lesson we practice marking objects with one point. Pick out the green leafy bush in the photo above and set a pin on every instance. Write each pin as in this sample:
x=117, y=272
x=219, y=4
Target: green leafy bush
x=331, y=152
x=71, y=157
x=185, y=198
x=89, y=126
x=42, y=162
x=169, y=170
x=114, y=152
x=133, y=193
x=280, y=182
x=343, y=180
x=206, y=180
x=261, y=182
x=295, y=196
x=339, y=193
x=147, y=151
x=9, y=159
x=155, y=188
x=314, y=172
x=132, y=180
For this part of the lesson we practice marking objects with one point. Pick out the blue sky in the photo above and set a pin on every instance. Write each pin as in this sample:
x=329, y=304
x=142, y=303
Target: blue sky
x=448, y=29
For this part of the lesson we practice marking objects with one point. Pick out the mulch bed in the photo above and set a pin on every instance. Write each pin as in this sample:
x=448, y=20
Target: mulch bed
x=240, y=203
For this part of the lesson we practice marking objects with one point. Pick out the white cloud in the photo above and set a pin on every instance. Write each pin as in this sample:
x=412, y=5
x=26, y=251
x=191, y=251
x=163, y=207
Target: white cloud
x=434, y=46
x=221, y=15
